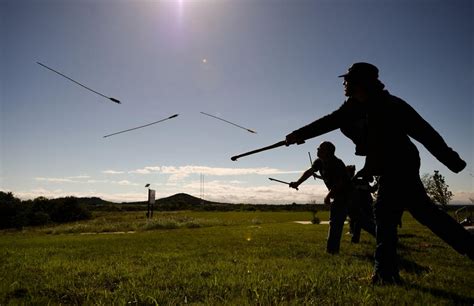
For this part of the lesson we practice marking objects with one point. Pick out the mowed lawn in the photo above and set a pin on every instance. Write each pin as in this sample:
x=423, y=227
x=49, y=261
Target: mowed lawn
x=217, y=258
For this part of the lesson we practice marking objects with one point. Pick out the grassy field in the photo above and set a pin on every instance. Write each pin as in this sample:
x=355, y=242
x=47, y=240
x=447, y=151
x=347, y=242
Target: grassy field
x=213, y=258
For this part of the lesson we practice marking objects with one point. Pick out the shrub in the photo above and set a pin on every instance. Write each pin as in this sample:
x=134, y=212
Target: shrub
x=15, y=213
x=9, y=209
x=315, y=219
x=437, y=189
x=68, y=210
x=39, y=218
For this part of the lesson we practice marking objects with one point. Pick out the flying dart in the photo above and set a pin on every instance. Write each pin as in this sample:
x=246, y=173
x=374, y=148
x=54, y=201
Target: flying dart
x=283, y=182
x=249, y=130
x=110, y=98
x=315, y=176
x=142, y=126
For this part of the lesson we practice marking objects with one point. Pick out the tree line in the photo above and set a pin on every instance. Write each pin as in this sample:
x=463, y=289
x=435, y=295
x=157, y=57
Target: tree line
x=15, y=213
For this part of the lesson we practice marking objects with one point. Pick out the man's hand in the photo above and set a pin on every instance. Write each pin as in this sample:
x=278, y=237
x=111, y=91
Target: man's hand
x=294, y=185
x=292, y=138
x=327, y=200
x=455, y=163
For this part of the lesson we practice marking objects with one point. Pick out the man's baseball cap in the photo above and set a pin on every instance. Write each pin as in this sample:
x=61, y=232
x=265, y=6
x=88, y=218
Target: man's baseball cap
x=361, y=71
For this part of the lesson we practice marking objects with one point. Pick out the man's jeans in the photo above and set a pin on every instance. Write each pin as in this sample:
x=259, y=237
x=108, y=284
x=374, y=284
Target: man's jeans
x=397, y=193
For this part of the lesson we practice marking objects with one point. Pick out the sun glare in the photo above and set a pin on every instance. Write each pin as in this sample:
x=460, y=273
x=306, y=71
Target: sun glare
x=180, y=9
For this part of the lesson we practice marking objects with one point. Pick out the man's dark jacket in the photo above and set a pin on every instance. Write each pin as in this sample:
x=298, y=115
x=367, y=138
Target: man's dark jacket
x=381, y=129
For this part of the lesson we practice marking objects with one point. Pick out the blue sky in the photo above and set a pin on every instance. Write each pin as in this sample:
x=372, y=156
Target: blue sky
x=270, y=66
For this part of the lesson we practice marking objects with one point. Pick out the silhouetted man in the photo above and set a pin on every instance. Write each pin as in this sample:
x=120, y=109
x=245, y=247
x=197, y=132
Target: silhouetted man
x=333, y=171
x=381, y=125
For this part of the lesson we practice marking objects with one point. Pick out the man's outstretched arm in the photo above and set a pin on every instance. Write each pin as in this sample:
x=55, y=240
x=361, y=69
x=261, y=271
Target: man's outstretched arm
x=420, y=130
x=318, y=127
x=307, y=174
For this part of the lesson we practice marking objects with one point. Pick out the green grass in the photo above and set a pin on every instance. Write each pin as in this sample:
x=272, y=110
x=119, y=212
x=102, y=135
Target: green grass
x=216, y=258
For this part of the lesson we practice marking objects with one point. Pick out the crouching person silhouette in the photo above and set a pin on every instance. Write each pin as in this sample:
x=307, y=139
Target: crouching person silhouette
x=333, y=172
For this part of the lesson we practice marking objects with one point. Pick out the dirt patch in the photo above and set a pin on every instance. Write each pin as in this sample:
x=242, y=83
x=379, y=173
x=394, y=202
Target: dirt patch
x=309, y=222
x=109, y=233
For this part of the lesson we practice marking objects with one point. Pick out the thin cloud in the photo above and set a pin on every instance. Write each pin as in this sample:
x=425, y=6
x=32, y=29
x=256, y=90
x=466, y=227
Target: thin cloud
x=215, y=190
x=184, y=171
x=222, y=171
x=69, y=180
x=125, y=183
x=55, y=180
x=97, y=181
x=146, y=170
x=177, y=177
x=463, y=197
x=112, y=172
x=218, y=191
x=273, y=194
x=79, y=177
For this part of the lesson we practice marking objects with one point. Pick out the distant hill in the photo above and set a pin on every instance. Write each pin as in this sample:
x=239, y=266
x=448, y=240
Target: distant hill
x=183, y=199
x=179, y=201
